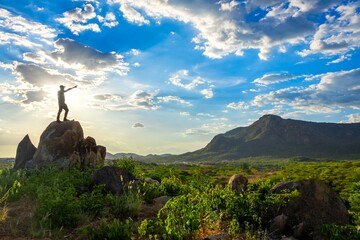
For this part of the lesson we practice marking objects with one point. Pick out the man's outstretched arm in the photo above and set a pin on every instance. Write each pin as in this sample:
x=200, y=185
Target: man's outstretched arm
x=70, y=88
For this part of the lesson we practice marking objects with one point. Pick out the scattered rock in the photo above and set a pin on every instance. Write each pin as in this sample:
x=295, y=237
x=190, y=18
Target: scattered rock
x=238, y=183
x=316, y=205
x=152, y=181
x=287, y=186
x=24, y=153
x=298, y=230
x=63, y=145
x=161, y=200
x=279, y=225
x=115, y=179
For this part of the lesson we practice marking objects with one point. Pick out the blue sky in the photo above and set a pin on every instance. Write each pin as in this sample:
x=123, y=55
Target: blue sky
x=165, y=76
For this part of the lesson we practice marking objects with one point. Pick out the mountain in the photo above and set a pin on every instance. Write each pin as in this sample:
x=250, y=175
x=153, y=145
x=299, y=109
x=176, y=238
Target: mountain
x=274, y=136
x=137, y=157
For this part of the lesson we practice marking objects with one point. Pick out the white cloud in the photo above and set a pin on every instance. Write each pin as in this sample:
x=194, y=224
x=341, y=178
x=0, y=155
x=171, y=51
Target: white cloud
x=108, y=97
x=109, y=20
x=272, y=78
x=137, y=100
x=335, y=89
x=285, y=23
x=340, y=59
x=228, y=6
x=196, y=131
x=216, y=126
x=142, y=100
x=339, y=35
x=208, y=93
x=39, y=76
x=135, y=52
x=182, y=76
x=238, y=105
x=205, y=115
x=353, y=118
x=72, y=54
x=138, y=125
x=189, y=82
x=133, y=16
x=167, y=99
x=21, y=25
x=76, y=19
x=16, y=30
x=184, y=114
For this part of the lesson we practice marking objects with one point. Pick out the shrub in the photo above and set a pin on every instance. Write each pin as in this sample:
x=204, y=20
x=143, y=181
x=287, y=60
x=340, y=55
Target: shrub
x=336, y=232
x=150, y=191
x=124, y=206
x=172, y=185
x=57, y=207
x=128, y=164
x=111, y=231
x=354, y=201
x=151, y=229
x=93, y=202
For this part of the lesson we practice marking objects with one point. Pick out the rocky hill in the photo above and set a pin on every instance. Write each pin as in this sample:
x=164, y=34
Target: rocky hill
x=274, y=136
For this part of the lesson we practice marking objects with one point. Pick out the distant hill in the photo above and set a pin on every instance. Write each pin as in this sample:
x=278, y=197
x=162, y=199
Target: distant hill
x=273, y=136
x=7, y=160
x=137, y=157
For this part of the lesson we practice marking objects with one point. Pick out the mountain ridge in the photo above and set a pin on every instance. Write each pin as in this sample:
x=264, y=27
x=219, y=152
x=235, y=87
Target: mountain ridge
x=274, y=136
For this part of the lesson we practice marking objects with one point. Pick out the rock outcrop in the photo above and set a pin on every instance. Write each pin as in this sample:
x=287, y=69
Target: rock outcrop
x=24, y=153
x=63, y=145
x=116, y=180
x=302, y=217
x=238, y=183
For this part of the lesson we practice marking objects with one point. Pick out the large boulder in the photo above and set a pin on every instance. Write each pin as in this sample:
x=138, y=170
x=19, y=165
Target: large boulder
x=63, y=145
x=238, y=183
x=24, y=153
x=316, y=205
x=116, y=180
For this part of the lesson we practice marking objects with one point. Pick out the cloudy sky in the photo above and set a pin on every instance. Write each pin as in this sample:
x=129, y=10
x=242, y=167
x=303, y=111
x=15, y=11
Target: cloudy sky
x=165, y=76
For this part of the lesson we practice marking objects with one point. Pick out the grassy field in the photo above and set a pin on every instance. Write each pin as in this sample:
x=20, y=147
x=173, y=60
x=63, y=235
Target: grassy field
x=47, y=203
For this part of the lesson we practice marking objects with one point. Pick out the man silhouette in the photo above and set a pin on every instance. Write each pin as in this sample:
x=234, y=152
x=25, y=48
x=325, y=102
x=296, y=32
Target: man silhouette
x=62, y=104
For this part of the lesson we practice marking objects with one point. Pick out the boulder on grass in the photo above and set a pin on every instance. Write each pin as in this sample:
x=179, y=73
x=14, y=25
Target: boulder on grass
x=116, y=180
x=316, y=205
x=24, y=153
x=238, y=183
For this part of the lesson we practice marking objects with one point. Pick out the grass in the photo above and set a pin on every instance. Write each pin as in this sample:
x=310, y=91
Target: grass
x=45, y=203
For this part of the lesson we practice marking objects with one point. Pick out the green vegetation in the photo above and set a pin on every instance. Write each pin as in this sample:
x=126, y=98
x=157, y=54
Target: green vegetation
x=63, y=203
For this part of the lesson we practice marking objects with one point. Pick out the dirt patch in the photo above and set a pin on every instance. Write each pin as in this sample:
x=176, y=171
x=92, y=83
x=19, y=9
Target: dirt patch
x=17, y=221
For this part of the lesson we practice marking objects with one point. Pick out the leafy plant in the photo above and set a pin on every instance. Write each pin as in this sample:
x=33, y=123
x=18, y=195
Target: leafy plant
x=111, y=231
x=336, y=232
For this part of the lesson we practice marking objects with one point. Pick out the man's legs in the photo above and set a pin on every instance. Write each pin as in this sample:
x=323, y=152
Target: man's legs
x=66, y=112
x=58, y=115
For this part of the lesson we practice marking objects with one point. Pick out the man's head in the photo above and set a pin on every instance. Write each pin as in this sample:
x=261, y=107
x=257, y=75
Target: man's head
x=62, y=87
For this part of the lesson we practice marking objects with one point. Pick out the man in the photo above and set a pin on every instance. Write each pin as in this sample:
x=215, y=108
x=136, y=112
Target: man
x=61, y=101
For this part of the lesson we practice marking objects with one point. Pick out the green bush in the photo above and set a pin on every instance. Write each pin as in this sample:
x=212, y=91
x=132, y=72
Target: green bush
x=337, y=232
x=151, y=229
x=124, y=206
x=111, y=231
x=150, y=191
x=172, y=185
x=128, y=164
x=354, y=202
x=93, y=202
x=57, y=207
